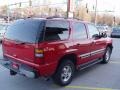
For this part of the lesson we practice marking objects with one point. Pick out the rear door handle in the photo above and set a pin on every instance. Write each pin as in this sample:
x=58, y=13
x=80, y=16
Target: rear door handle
x=78, y=44
x=93, y=42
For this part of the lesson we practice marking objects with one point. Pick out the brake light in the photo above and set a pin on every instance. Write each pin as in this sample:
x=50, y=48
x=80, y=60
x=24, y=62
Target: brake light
x=39, y=53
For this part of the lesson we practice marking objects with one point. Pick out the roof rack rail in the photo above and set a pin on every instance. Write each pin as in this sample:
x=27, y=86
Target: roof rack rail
x=77, y=18
x=51, y=17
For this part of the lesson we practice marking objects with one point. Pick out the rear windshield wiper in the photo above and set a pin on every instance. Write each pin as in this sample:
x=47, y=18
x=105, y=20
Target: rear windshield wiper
x=20, y=43
x=17, y=42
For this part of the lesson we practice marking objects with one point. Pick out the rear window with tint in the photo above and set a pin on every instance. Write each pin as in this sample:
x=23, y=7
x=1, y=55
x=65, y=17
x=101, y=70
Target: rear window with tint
x=24, y=30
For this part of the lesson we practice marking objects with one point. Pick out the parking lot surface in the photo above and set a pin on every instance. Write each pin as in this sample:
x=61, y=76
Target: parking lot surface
x=97, y=77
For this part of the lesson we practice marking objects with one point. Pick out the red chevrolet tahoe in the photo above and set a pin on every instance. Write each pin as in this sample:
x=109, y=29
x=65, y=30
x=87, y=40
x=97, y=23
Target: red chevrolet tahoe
x=53, y=47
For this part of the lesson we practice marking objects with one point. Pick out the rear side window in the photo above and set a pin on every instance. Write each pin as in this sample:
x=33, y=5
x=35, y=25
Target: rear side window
x=24, y=30
x=56, y=30
x=79, y=31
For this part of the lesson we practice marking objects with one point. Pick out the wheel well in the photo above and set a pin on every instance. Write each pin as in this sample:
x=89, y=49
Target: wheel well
x=71, y=57
x=110, y=45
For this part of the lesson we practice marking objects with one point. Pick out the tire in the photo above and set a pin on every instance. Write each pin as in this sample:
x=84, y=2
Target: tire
x=107, y=55
x=65, y=73
x=12, y=73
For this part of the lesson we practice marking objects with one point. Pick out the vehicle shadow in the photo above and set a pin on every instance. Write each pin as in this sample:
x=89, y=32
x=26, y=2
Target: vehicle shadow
x=22, y=83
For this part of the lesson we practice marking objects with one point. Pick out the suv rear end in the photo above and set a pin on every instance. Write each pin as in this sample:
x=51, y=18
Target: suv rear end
x=28, y=51
x=20, y=45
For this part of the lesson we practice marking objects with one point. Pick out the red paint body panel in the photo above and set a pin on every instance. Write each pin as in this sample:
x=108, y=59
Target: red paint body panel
x=24, y=52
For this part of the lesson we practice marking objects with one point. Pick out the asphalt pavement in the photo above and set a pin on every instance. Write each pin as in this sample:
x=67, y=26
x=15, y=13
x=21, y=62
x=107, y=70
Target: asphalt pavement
x=97, y=77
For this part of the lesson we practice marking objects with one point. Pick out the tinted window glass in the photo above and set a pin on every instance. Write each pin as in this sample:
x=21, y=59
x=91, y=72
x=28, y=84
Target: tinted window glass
x=24, y=30
x=56, y=30
x=92, y=30
x=79, y=31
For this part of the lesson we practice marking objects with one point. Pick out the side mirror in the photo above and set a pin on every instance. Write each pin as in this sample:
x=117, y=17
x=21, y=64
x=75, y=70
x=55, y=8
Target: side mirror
x=103, y=35
x=96, y=36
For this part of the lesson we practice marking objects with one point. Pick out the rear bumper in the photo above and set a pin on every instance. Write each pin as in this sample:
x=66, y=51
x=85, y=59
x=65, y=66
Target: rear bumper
x=21, y=61
x=29, y=69
x=23, y=69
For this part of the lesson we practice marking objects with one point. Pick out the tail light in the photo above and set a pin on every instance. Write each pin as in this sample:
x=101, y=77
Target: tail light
x=39, y=54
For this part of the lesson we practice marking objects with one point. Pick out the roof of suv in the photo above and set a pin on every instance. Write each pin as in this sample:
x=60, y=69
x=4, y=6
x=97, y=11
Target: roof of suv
x=63, y=19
